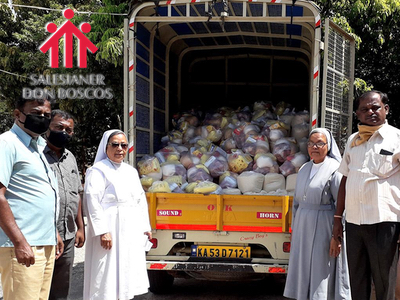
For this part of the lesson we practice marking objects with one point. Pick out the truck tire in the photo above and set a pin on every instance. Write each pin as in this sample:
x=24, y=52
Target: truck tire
x=160, y=281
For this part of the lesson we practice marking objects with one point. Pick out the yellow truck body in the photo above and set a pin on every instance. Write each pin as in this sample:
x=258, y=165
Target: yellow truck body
x=197, y=235
x=219, y=212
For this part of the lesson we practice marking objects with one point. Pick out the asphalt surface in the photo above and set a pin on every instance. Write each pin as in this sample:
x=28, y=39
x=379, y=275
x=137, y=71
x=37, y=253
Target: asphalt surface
x=184, y=289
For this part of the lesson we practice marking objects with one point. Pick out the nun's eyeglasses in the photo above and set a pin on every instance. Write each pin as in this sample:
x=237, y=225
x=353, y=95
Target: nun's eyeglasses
x=116, y=145
x=318, y=145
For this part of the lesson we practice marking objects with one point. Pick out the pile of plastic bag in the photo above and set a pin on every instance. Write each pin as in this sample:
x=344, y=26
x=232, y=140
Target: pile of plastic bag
x=247, y=151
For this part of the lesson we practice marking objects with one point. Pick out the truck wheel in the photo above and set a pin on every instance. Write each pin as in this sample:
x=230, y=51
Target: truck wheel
x=160, y=281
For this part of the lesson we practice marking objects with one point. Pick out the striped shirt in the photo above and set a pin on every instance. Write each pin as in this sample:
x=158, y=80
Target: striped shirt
x=373, y=178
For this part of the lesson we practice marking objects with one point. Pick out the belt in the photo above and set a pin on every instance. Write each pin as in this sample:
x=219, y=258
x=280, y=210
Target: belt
x=316, y=206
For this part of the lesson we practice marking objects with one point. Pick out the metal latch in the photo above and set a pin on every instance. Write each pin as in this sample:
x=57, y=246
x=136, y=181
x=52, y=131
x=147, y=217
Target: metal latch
x=224, y=14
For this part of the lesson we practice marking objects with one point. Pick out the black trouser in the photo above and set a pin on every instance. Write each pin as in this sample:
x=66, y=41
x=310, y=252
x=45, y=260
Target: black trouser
x=63, y=272
x=372, y=253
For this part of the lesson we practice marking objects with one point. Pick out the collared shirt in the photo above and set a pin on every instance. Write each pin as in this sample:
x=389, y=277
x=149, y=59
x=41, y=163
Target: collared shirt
x=69, y=188
x=31, y=187
x=373, y=178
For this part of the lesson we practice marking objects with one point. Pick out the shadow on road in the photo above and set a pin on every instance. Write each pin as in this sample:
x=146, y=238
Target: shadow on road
x=76, y=291
x=221, y=290
x=183, y=289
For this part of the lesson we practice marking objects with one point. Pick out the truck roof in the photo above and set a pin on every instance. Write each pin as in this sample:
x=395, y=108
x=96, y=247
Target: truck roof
x=278, y=41
x=186, y=25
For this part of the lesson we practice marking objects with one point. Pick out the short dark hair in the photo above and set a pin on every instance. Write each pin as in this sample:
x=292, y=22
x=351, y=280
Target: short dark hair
x=384, y=98
x=63, y=114
x=20, y=102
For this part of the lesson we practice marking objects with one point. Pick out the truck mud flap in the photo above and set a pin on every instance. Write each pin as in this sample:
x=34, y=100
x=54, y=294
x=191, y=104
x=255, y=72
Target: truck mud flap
x=217, y=267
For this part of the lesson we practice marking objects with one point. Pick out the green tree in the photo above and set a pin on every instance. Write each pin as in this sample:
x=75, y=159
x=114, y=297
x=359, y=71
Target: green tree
x=5, y=116
x=21, y=33
x=377, y=24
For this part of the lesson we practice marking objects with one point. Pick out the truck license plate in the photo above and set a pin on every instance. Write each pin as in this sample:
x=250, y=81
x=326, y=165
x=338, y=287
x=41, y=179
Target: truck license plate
x=220, y=251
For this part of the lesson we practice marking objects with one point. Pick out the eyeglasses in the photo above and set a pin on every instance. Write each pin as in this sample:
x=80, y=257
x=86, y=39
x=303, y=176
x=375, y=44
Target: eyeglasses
x=318, y=145
x=116, y=145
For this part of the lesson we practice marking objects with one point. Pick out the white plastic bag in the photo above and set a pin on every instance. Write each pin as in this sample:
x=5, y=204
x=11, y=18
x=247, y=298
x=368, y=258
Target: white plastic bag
x=250, y=181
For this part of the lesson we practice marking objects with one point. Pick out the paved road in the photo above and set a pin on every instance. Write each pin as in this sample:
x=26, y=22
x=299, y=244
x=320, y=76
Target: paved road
x=184, y=289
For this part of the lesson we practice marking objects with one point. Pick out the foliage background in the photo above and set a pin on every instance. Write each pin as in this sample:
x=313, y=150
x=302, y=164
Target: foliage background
x=374, y=23
x=21, y=34
x=376, y=26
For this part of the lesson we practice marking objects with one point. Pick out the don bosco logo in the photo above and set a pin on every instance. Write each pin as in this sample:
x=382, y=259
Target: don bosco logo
x=68, y=30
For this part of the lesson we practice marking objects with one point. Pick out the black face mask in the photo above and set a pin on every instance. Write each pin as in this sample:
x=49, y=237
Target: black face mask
x=36, y=124
x=59, y=138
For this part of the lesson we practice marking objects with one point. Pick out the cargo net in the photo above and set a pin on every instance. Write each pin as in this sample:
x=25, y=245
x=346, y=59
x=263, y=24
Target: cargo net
x=337, y=97
x=338, y=85
x=339, y=127
x=339, y=53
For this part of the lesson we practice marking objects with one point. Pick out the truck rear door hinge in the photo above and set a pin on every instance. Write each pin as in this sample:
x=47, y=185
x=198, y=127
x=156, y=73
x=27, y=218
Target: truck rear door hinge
x=224, y=14
x=157, y=4
x=291, y=20
x=209, y=13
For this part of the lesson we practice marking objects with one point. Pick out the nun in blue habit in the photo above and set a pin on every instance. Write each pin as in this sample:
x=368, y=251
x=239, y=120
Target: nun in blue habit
x=317, y=265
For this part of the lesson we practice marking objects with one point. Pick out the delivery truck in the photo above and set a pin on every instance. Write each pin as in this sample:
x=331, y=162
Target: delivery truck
x=191, y=54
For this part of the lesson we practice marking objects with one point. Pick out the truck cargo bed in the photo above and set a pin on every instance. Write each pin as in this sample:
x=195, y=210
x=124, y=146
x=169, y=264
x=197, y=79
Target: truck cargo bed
x=219, y=212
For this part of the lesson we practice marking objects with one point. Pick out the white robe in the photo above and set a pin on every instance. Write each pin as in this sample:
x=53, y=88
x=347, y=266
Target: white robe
x=115, y=203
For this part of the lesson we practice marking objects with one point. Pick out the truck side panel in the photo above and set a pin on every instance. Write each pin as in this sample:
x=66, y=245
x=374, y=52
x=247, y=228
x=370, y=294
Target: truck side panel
x=219, y=212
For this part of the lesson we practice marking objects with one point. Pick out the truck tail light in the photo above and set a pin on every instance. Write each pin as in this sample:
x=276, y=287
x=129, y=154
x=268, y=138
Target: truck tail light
x=155, y=243
x=277, y=270
x=286, y=247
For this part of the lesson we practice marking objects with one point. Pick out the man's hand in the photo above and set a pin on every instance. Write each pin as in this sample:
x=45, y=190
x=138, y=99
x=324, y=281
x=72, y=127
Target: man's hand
x=79, y=238
x=334, y=248
x=24, y=254
x=149, y=234
x=59, y=246
x=23, y=251
x=80, y=233
x=337, y=231
x=106, y=241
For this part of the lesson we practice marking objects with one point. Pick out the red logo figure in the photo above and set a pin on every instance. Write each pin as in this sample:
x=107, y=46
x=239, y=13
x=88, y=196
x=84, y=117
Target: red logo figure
x=68, y=29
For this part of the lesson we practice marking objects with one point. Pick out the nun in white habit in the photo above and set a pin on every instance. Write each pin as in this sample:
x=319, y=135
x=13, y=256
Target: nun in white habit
x=317, y=264
x=118, y=225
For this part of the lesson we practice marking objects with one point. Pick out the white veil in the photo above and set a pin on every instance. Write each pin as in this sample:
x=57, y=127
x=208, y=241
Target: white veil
x=102, y=149
x=333, y=149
